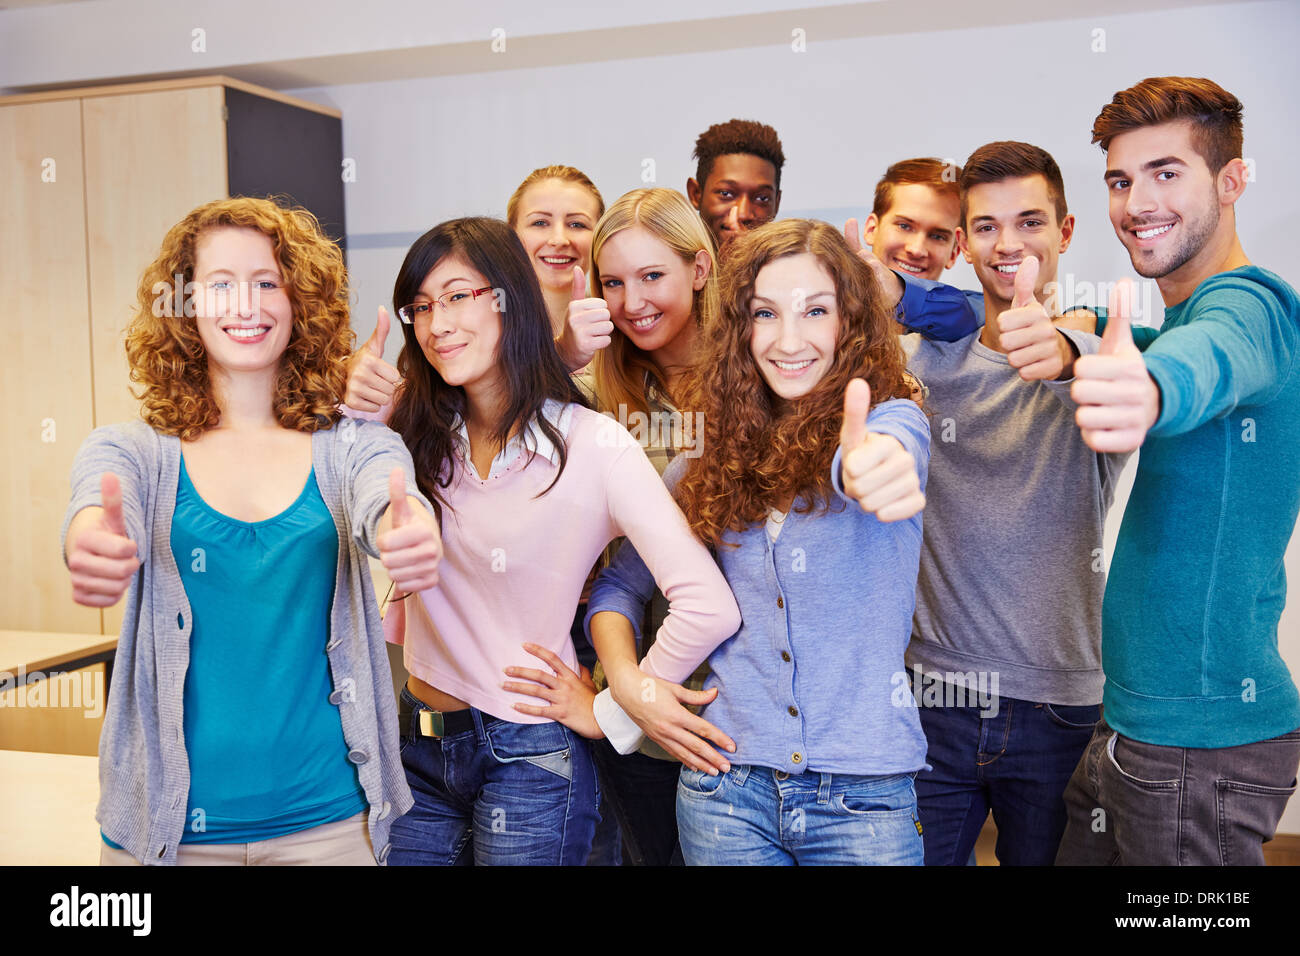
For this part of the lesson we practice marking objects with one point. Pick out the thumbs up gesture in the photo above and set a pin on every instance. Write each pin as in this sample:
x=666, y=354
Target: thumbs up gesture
x=410, y=546
x=372, y=382
x=1118, y=399
x=875, y=469
x=101, y=557
x=587, y=327
x=1030, y=339
x=890, y=284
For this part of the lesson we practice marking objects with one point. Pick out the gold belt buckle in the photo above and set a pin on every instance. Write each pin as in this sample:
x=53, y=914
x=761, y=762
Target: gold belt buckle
x=431, y=723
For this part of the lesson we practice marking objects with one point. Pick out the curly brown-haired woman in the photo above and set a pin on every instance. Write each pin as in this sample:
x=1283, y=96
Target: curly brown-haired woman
x=252, y=717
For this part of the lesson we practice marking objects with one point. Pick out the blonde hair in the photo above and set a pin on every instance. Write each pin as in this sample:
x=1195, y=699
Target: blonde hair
x=563, y=173
x=621, y=369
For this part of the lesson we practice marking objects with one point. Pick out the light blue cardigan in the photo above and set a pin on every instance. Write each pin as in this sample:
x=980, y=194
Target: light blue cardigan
x=143, y=767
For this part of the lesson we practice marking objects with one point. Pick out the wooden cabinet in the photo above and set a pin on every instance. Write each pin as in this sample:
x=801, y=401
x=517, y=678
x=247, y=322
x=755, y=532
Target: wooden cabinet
x=90, y=181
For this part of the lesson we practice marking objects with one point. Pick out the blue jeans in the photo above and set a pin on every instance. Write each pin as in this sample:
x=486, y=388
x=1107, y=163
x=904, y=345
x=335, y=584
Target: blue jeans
x=499, y=794
x=641, y=793
x=1015, y=762
x=1134, y=803
x=760, y=816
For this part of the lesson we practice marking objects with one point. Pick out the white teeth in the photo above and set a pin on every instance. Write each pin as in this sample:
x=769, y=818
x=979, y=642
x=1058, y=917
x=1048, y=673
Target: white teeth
x=557, y=260
x=1148, y=233
x=245, y=333
x=915, y=270
x=1009, y=270
x=792, y=366
x=644, y=323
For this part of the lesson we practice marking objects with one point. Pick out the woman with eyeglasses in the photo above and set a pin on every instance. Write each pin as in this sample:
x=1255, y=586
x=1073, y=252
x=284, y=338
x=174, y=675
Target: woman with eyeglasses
x=251, y=719
x=530, y=486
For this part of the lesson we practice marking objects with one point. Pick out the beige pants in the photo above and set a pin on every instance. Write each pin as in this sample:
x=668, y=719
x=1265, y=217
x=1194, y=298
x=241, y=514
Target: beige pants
x=345, y=843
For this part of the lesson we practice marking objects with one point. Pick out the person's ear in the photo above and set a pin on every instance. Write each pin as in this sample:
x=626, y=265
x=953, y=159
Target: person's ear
x=869, y=230
x=961, y=244
x=1067, y=232
x=1231, y=181
x=693, y=192
x=952, y=256
x=703, y=267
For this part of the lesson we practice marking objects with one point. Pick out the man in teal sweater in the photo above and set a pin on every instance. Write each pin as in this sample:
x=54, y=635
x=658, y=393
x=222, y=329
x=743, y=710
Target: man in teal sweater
x=1197, y=752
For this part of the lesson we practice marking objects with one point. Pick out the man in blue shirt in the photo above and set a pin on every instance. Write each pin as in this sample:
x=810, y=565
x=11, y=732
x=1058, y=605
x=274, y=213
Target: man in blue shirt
x=1197, y=753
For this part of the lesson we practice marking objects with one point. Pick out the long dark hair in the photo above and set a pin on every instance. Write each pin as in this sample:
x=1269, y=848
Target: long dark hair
x=427, y=408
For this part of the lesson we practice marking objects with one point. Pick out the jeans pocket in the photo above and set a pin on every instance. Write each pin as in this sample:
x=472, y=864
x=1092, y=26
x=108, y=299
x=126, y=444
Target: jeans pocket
x=1071, y=717
x=545, y=746
x=889, y=794
x=1248, y=817
x=1144, y=763
x=697, y=783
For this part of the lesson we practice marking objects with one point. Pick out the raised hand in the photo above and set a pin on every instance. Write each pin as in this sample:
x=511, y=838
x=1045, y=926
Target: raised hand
x=587, y=327
x=1118, y=399
x=890, y=284
x=410, y=547
x=875, y=469
x=101, y=557
x=1033, y=345
x=372, y=382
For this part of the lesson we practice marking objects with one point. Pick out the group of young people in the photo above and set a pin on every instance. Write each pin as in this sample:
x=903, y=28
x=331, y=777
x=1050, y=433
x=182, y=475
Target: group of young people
x=681, y=454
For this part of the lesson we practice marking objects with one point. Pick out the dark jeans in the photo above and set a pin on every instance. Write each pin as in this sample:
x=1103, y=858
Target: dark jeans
x=501, y=793
x=1016, y=762
x=642, y=792
x=1134, y=803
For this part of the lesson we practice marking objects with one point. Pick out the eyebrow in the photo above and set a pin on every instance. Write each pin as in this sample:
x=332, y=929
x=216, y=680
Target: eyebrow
x=814, y=295
x=542, y=212
x=1147, y=167
x=736, y=184
x=457, y=279
x=1040, y=213
x=898, y=217
x=228, y=272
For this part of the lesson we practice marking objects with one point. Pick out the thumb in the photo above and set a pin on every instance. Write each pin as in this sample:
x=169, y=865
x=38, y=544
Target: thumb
x=110, y=493
x=1118, y=337
x=377, y=338
x=579, y=285
x=852, y=236
x=1026, y=280
x=397, y=505
x=857, y=403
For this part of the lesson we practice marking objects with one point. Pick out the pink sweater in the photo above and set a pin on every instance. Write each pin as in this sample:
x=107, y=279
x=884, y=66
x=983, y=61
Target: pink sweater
x=514, y=565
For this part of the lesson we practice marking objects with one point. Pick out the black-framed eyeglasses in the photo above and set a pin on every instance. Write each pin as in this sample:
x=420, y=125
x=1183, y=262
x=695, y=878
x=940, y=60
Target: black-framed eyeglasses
x=450, y=302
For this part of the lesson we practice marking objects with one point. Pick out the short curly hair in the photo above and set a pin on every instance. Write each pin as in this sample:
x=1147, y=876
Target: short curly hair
x=168, y=360
x=737, y=136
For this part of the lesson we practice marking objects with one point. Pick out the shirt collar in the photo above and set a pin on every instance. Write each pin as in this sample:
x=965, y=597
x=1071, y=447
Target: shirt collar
x=530, y=437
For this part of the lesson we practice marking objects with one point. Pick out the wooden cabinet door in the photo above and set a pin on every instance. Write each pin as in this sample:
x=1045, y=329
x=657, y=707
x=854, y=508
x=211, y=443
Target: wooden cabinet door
x=46, y=385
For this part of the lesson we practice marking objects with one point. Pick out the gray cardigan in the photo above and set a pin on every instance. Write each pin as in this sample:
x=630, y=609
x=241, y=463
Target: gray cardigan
x=144, y=771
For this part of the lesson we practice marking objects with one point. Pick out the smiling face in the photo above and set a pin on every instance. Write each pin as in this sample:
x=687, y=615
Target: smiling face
x=649, y=288
x=795, y=322
x=741, y=180
x=555, y=222
x=460, y=342
x=1007, y=221
x=918, y=233
x=242, y=309
x=1164, y=201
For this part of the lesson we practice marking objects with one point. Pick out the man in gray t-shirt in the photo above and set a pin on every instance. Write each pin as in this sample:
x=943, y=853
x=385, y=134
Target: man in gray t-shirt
x=1005, y=654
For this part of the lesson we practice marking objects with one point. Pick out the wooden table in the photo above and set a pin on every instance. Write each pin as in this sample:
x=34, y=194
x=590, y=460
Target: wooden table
x=29, y=655
x=47, y=809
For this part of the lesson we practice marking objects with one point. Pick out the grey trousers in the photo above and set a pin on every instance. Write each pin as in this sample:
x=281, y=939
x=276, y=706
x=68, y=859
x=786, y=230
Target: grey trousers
x=1131, y=803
